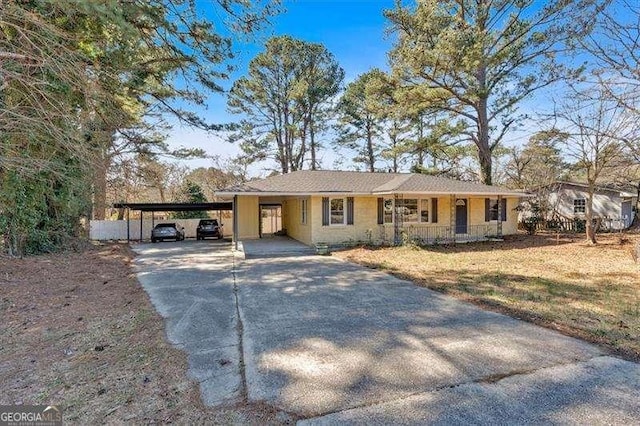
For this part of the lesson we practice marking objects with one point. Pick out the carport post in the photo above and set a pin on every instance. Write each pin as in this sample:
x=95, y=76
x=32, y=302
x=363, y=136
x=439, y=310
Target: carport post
x=153, y=222
x=235, y=221
x=128, y=226
x=141, y=225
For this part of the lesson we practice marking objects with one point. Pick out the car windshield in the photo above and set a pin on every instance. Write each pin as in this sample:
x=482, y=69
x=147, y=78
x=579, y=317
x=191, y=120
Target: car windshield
x=213, y=222
x=166, y=225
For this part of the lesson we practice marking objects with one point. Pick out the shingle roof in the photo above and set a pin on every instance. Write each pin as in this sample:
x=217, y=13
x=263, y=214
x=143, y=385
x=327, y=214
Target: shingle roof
x=346, y=182
x=622, y=191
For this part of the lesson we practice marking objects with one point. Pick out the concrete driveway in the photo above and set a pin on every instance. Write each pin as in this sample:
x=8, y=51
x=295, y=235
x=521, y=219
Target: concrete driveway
x=191, y=284
x=331, y=342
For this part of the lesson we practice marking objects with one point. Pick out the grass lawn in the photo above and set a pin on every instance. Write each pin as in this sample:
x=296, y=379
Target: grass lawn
x=78, y=331
x=591, y=292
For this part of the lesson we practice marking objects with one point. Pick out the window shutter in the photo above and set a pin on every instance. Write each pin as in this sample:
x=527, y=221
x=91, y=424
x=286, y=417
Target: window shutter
x=503, y=206
x=434, y=210
x=325, y=211
x=380, y=211
x=487, y=210
x=349, y=210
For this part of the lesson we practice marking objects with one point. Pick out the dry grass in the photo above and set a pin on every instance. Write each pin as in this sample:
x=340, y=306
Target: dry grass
x=79, y=331
x=592, y=292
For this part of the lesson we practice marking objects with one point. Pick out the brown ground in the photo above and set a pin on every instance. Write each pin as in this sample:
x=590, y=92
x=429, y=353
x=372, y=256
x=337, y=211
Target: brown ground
x=591, y=292
x=78, y=330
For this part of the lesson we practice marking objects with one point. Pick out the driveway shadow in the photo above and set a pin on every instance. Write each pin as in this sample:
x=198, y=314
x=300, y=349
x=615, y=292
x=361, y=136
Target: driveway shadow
x=322, y=335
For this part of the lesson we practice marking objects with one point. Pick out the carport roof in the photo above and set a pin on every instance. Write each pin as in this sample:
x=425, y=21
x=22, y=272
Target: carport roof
x=174, y=207
x=362, y=183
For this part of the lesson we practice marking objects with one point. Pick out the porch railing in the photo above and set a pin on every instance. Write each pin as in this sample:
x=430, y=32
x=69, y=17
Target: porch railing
x=425, y=235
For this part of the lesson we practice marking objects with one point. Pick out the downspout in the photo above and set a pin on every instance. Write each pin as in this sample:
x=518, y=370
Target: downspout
x=235, y=221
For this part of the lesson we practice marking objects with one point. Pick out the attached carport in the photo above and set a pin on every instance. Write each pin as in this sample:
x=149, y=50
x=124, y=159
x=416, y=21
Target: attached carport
x=168, y=207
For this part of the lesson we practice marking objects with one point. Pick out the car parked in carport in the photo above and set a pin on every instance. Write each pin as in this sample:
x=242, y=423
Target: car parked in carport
x=167, y=231
x=209, y=228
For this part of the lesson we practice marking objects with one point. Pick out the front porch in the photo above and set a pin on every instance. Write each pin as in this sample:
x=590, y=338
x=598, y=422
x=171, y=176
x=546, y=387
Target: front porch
x=373, y=219
x=449, y=234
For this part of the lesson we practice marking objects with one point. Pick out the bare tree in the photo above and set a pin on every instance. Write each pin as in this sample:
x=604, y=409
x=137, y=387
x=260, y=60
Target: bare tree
x=615, y=45
x=597, y=127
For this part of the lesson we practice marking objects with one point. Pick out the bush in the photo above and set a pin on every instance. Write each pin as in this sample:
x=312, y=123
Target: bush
x=531, y=224
x=41, y=213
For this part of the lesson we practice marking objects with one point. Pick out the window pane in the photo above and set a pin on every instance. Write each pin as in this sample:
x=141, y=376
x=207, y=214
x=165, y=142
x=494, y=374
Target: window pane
x=409, y=210
x=337, y=211
x=493, y=210
x=388, y=210
x=303, y=209
x=424, y=211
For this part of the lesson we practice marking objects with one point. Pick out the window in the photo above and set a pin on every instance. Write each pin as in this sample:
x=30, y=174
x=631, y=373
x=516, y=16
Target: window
x=337, y=211
x=424, y=210
x=303, y=211
x=408, y=208
x=388, y=210
x=579, y=205
x=411, y=210
x=493, y=209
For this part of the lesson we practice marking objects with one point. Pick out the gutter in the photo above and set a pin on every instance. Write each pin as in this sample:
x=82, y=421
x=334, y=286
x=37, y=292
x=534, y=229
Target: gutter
x=371, y=194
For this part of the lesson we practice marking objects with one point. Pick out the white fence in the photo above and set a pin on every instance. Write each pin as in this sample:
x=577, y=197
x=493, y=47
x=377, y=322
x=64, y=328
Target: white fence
x=103, y=230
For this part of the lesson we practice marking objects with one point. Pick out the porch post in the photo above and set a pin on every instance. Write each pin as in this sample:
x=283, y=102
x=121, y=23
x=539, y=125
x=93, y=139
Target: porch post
x=235, y=221
x=452, y=216
x=499, y=225
x=397, y=219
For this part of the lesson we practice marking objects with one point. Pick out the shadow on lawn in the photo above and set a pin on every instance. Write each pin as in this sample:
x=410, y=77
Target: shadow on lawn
x=611, y=321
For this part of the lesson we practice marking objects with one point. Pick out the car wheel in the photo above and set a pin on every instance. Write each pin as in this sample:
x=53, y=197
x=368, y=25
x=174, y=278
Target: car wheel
x=153, y=240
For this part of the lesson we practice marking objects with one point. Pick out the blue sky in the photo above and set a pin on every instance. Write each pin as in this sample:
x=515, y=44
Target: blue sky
x=354, y=31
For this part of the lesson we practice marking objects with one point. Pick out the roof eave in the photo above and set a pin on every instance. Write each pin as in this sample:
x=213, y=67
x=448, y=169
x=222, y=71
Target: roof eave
x=325, y=193
x=288, y=194
x=478, y=193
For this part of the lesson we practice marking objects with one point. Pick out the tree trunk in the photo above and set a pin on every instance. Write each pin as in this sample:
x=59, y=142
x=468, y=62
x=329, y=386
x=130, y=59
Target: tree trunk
x=591, y=231
x=484, y=156
x=395, y=155
x=163, y=198
x=312, y=142
x=482, y=139
x=370, y=155
x=421, y=150
x=100, y=188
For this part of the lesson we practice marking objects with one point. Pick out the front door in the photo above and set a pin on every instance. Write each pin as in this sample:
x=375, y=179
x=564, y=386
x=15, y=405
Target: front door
x=270, y=219
x=461, y=216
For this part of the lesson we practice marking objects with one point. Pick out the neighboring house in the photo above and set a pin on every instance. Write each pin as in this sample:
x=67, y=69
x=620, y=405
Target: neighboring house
x=568, y=200
x=342, y=207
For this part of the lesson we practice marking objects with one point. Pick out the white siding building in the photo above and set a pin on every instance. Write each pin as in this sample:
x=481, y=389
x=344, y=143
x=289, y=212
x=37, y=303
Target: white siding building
x=568, y=200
